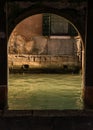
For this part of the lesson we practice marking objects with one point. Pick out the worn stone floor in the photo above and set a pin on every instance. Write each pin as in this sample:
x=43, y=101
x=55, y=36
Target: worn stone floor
x=46, y=120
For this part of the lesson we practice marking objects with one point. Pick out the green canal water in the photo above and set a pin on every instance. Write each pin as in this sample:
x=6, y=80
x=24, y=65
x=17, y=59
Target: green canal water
x=44, y=91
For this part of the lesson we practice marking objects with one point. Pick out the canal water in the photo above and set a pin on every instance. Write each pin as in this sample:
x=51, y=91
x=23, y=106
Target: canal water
x=44, y=91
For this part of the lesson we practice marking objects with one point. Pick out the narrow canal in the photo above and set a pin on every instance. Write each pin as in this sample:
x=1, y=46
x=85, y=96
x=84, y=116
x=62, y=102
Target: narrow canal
x=44, y=91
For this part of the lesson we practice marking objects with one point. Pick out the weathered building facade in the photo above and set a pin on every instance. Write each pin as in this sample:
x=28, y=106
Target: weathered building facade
x=45, y=41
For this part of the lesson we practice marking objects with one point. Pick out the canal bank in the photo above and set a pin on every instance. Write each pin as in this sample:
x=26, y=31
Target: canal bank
x=43, y=64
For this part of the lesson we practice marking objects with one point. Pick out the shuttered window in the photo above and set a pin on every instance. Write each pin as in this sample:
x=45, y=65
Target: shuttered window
x=56, y=25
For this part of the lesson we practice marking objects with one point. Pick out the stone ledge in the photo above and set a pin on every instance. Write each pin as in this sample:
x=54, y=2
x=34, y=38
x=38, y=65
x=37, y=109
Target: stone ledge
x=46, y=113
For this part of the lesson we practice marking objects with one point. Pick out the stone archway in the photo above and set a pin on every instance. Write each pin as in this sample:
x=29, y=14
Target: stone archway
x=23, y=42
x=76, y=14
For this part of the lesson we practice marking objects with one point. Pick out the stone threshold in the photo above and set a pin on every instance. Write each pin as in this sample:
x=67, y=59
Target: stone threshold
x=46, y=113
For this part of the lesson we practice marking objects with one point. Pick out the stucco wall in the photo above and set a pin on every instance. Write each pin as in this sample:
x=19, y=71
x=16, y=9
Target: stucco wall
x=44, y=52
x=40, y=45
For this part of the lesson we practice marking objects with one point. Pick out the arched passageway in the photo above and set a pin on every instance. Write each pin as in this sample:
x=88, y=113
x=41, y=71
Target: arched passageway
x=68, y=13
x=54, y=46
